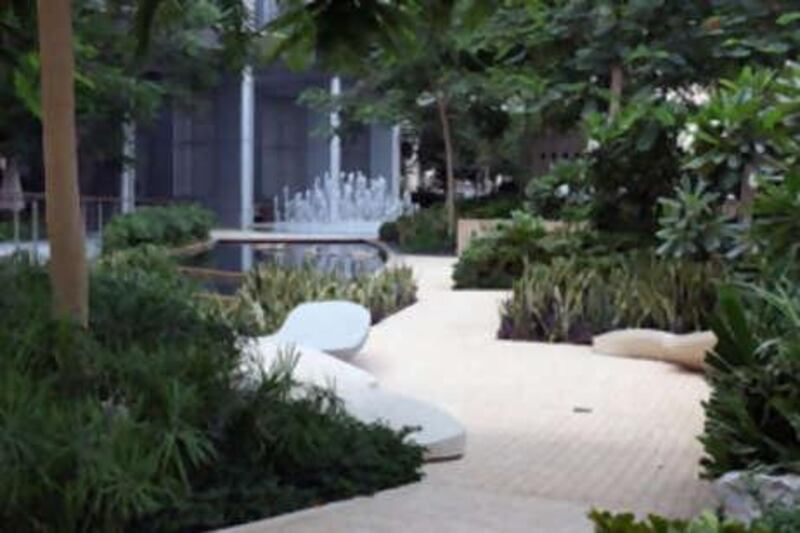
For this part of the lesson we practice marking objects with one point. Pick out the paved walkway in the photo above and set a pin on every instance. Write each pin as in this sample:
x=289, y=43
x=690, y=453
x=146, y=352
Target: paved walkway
x=552, y=430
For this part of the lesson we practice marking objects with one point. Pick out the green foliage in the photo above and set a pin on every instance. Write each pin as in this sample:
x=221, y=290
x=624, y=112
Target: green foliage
x=748, y=128
x=423, y=232
x=707, y=522
x=116, y=83
x=632, y=161
x=753, y=413
x=774, y=520
x=573, y=299
x=780, y=519
x=145, y=421
x=500, y=205
x=691, y=224
x=776, y=219
x=562, y=193
x=271, y=291
x=170, y=226
x=496, y=260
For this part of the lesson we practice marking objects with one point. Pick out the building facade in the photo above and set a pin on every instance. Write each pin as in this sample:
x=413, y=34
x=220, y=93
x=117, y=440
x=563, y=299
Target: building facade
x=237, y=148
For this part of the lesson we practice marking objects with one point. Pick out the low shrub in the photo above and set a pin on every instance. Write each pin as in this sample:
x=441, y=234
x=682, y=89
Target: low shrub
x=423, y=232
x=489, y=207
x=145, y=420
x=271, y=291
x=573, y=299
x=753, y=412
x=496, y=260
x=173, y=225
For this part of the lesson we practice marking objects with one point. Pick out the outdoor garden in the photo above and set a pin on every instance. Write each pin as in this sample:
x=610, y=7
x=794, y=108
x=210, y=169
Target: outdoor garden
x=124, y=400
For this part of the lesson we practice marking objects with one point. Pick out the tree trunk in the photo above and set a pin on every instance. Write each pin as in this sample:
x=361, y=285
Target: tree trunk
x=68, y=268
x=617, y=81
x=450, y=198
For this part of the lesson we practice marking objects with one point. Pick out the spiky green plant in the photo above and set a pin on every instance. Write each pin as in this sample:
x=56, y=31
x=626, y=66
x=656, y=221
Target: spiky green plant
x=271, y=291
x=573, y=299
x=753, y=413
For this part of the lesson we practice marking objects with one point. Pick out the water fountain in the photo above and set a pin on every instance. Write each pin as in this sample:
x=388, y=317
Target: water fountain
x=349, y=203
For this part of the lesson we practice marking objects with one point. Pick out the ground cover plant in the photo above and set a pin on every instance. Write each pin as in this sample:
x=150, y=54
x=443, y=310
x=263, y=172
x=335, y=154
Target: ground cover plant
x=573, y=299
x=170, y=226
x=271, y=291
x=145, y=421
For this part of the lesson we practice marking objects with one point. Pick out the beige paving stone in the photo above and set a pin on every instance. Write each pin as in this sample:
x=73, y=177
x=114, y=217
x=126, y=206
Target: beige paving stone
x=552, y=430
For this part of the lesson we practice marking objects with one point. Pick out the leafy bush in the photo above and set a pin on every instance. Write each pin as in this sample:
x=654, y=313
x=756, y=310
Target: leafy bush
x=496, y=260
x=489, y=207
x=173, y=225
x=691, y=224
x=573, y=299
x=748, y=127
x=423, y=232
x=633, y=161
x=776, y=220
x=753, y=411
x=776, y=520
x=270, y=292
x=562, y=193
x=145, y=421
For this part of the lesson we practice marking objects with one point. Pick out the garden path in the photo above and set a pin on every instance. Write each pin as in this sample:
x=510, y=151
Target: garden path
x=552, y=430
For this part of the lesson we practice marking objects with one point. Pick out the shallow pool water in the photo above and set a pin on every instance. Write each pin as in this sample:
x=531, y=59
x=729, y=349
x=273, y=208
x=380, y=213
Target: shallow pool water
x=347, y=260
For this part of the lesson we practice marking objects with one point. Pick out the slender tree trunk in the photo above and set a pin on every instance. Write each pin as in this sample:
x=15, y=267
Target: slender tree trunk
x=450, y=198
x=68, y=268
x=617, y=82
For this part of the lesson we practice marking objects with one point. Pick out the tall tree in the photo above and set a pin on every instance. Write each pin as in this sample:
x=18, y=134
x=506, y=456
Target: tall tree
x=68, y=266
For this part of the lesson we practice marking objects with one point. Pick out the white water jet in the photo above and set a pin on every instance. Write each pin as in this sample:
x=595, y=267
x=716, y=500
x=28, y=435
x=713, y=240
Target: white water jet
x=347, y=203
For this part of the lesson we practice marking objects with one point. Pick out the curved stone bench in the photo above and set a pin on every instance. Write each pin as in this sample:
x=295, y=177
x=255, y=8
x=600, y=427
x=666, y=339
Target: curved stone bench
x=442, y=436
x=312, y=366
x=337, y=327
x=688, y=350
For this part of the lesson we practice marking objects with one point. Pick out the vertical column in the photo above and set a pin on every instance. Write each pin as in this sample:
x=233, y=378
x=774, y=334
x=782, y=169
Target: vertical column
x=396, y=161
x=336, y=143
x=247, y=148
x=247, y=133
x=127, y=189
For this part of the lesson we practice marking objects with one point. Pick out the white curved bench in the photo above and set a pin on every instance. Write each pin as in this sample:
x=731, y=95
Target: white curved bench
x=688, y=350
x=311, y=367
x=442, y=436
x=337, y=327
